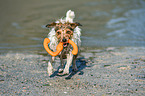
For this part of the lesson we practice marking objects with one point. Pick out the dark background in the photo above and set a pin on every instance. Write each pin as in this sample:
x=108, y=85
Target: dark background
x=105, y=22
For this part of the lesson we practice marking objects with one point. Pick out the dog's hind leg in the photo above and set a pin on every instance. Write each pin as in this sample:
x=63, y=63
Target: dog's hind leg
x=50, y=68
x=68, y=64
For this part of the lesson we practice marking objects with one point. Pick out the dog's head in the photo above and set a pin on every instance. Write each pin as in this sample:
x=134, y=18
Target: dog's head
x=64, y=31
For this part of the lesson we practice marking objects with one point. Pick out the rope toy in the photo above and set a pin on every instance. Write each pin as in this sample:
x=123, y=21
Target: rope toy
x=59, y=47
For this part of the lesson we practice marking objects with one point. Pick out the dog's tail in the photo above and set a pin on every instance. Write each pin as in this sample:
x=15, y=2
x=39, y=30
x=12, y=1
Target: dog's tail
x=70, y=15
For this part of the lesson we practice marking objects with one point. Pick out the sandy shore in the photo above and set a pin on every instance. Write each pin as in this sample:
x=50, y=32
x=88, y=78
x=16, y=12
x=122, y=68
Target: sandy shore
x=110, y=71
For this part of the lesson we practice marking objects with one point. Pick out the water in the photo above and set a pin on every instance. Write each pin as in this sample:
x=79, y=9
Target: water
x=105, y=23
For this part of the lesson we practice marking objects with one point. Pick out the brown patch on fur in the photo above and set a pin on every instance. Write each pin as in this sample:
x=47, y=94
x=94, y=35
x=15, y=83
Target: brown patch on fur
x=64, y=31
x=51, y=25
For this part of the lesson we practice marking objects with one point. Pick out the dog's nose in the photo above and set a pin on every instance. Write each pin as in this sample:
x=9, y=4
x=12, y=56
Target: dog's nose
x=63, y=40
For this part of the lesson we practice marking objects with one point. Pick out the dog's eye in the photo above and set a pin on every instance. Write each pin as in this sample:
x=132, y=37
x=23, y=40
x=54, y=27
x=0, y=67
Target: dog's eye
x=58, y=33
x=68, y=32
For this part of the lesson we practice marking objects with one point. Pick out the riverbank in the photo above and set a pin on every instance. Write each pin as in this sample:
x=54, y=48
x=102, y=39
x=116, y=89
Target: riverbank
x=102, y=72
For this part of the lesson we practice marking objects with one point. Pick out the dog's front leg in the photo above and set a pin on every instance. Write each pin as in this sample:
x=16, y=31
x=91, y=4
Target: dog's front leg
x=50, y=68
x=69, y=62
x=62, y=64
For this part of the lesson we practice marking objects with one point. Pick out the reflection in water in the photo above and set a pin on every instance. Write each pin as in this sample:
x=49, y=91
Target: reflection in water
x=16, y=25
x=105, y=23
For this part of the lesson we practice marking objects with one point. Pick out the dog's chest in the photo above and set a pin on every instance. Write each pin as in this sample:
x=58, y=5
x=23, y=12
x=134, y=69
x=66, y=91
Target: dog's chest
x=66, y=51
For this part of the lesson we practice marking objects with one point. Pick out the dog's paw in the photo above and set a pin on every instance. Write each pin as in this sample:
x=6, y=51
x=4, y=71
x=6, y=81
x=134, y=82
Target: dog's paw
x=49, y=71
x=61, y=74
x=65, y=72
x=60, y=70
x=75, y=70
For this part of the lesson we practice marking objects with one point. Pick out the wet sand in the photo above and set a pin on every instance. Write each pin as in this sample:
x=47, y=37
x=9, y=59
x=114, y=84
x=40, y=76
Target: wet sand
x=102, y=72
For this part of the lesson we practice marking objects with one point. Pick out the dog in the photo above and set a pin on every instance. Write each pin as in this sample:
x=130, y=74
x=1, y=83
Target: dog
x=61, y=31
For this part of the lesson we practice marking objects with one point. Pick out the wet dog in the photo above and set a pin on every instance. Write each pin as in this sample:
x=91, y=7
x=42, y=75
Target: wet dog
x=61, y=31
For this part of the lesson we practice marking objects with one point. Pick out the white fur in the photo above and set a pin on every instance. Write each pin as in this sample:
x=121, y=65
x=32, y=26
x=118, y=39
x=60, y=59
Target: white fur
x=54, y=41
x=49, y=68
x=70, y=15
x=76, y=35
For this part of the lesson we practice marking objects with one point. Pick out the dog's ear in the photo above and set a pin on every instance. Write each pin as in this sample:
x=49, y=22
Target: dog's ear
x=51, y=25
x=74, y=25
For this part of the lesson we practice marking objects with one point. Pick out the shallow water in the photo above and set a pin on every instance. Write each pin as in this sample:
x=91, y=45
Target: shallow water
x=105, y=23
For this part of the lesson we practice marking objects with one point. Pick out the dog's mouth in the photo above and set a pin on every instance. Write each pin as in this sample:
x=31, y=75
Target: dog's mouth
x=65, y=44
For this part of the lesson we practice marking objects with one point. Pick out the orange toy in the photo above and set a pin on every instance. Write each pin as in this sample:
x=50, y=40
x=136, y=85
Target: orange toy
x=75, y=47
x=59, y=47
